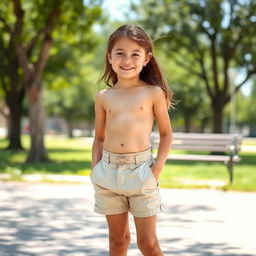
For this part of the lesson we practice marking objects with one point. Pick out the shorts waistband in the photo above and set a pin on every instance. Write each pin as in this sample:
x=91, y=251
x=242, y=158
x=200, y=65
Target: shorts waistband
x=126, y=158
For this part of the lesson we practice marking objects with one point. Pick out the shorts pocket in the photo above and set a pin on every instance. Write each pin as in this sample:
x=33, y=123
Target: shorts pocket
x=152, y=174
x=94, y=169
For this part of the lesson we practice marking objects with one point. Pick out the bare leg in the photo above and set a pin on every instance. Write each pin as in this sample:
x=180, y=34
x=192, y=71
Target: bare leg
x=119, y=234
x=146, y=236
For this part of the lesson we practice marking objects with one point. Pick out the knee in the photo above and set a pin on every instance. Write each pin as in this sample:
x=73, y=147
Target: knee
x=120, y=242
x=148, y=245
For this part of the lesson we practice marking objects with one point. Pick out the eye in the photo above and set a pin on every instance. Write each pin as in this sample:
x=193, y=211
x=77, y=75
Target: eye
x=119, y=53
x=136, y=55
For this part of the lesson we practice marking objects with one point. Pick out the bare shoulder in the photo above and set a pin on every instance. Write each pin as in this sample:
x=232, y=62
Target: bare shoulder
x=100, y=96
x=156, y=92
x=100, y=99
x=101, y=93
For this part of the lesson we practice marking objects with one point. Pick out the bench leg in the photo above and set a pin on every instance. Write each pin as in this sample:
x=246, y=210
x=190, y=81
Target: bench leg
x=230, y=170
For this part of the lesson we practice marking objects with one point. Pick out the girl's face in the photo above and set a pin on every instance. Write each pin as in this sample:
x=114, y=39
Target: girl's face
x=127, y=58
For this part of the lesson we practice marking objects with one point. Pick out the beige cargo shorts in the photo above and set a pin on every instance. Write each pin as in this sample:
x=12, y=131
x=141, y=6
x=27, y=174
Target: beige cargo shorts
x=125, y=182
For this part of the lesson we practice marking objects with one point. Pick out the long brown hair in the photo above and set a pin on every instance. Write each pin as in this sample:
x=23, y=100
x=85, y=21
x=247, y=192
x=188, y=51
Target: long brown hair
x=151, y=73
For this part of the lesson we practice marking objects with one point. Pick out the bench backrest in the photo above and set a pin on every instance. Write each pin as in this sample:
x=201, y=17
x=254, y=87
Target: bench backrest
x=203, y=142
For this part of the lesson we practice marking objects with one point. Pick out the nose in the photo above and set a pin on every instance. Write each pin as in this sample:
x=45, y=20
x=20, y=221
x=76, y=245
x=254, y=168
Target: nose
x=126, y=60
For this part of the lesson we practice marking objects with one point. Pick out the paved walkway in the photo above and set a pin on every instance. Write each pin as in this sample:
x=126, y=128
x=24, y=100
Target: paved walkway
x=57, y=220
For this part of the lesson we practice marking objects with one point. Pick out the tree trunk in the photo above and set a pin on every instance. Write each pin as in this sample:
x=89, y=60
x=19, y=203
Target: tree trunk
x=33, y=70
x=37, y=151
x=70, y=128
x=217, y=109
x=203, y=124
x=14, y=124
x=187, y=119
x=14, y=96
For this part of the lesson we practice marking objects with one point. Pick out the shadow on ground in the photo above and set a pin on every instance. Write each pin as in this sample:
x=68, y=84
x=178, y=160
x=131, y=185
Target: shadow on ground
x=59, y=220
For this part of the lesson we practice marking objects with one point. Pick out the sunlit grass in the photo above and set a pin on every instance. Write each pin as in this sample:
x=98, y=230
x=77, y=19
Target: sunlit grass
x=73, y=156
x=67, y=156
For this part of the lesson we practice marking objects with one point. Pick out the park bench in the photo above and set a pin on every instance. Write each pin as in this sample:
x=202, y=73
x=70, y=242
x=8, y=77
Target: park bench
x=210, y=147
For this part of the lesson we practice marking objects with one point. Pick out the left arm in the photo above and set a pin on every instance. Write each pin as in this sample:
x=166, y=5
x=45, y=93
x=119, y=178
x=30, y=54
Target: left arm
x=164, y=128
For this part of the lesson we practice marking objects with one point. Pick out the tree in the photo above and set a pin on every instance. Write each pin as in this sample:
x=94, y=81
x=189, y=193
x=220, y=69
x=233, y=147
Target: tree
x=245, y=110
x=11, y=81
x=70, y=91
x=252, y=110
x=190, y=100
x=34, y=28
x=206, y=38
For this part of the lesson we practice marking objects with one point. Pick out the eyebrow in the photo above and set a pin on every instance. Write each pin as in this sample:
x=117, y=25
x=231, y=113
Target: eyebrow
x=120, y=49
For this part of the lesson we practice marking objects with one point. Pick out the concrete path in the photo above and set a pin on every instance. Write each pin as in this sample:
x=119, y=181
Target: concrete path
x=58, y=220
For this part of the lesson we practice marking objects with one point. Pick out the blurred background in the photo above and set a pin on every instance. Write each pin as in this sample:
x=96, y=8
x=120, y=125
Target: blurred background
x=52, y=54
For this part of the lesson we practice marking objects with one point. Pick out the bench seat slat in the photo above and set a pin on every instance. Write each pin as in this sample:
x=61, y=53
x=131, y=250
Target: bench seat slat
x=198, y=142
x=202, y=137
x=198, y=147
x=205, y=136
x=207, y=158
x=202, y=142
x=201, y=147
x=228, y=143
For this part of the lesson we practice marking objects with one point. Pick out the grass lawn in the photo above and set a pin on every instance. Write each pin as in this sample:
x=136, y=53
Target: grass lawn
x=73, y=156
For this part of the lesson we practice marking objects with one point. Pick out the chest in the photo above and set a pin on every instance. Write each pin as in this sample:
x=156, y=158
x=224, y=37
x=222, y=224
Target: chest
x=128, y=103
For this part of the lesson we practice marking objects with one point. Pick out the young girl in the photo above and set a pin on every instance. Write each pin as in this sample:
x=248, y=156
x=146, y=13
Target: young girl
x=124, y=175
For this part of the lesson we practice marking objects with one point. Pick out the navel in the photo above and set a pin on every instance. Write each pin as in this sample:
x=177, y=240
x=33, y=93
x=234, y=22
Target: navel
x=141, y=108
x=122, y=144
x=109, y=111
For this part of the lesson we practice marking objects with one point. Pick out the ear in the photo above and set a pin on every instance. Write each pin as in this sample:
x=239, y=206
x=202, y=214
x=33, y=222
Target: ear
x=109, y=58
x=148, y=57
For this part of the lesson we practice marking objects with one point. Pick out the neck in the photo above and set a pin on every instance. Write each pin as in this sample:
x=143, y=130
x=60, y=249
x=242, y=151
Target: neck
x=123, y=83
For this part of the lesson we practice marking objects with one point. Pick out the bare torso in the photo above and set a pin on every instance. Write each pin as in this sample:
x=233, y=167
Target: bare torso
x=129, y=119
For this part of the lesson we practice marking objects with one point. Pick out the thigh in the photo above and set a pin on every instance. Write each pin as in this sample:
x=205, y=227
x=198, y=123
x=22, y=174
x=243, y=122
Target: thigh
x=118, y=224
x=146, y=235
x=145, y=227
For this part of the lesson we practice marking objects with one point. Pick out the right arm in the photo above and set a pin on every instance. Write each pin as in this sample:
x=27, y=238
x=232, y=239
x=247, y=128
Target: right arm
x=100, y=122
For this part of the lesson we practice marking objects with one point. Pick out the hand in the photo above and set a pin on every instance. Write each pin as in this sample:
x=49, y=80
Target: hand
x=155, y=172
x=93, y=165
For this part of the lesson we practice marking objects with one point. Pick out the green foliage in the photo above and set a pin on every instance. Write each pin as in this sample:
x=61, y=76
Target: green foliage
x=72, y=48
x=245, y=109
x=242, y=105
x=205, y=38
x=72, y=28
x=72, y=97
x=71, y=83
x=251, y=110
x=190, y=99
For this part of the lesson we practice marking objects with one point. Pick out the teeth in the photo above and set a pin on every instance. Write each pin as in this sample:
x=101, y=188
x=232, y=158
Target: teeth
x=126, y=68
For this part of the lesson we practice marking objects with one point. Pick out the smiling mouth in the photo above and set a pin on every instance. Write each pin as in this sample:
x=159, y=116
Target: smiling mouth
x=126, y=68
